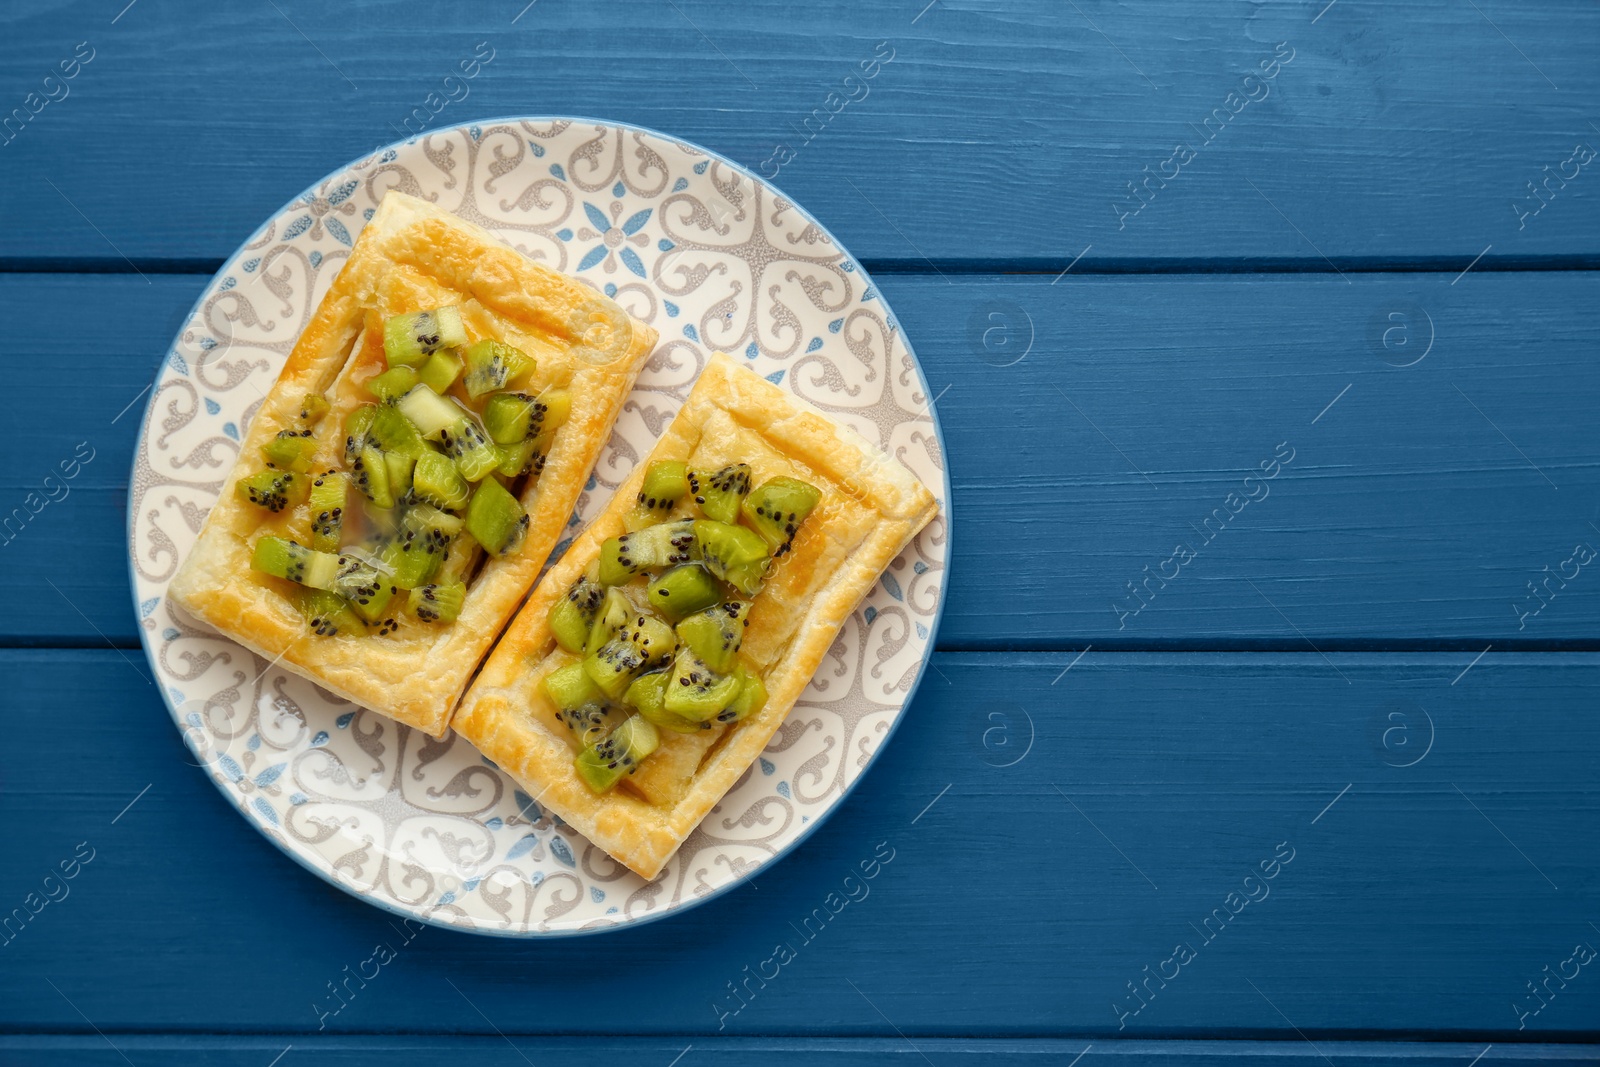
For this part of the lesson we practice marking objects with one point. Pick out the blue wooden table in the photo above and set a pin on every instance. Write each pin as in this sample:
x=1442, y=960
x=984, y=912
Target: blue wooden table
x=1212, y=764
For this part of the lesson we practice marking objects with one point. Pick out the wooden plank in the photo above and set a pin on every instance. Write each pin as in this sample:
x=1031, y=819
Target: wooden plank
x=315, y=1050
x=1419, y=504
x=996, y=133
x=1019, y=902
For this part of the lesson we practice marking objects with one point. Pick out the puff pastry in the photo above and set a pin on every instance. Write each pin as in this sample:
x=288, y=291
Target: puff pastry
x=414, y=256
x=870, y=509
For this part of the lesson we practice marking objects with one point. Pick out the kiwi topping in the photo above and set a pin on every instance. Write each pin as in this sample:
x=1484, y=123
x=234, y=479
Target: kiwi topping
x=328, y=493
x=719, y=493
x=273, y=489
x=436, y=481
x=411, y=339
x=496, y=518
x=573, y=615
x=777, y=508
x=696, y=691
x=735, y=554
x=651, y=549
x=291, y=450
x=440, y=371
x=491, y=364
x=393, y=383
x=698, y=573
x=605, y=763
x=437, y=602
x=328, y=614
x=683, y=590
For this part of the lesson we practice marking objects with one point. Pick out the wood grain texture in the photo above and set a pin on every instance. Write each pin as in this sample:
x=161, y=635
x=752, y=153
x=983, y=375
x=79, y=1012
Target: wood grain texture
x=384, y=1051
x=1415, y=511
x=1418, y=900
x=999, y=132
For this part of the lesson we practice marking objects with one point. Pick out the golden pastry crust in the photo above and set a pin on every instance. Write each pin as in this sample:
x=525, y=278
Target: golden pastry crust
x=412, y=256
x=870, y=509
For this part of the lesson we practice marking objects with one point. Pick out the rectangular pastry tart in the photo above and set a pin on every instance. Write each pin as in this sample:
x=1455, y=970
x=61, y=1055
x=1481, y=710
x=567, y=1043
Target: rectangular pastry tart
x=404, y=481
x=657, y=657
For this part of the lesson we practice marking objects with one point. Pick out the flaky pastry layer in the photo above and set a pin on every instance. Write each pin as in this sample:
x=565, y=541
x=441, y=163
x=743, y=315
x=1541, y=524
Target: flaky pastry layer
x=870, y=509
x=412, y=256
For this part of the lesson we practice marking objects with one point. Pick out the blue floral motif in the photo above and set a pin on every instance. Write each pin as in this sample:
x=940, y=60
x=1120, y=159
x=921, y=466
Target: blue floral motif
x=834, y=326
x=555, y=168
x=816, y=343
x=230, y=769
x=767, y=766
x=700, y=167
x=178, y=363
x=671, y=308
x=922, y=631
x=526, y=807
x=537, y=148
x=261, y=805
x=340, y=234
x=892, y=586
x=344, y=720
x=680, y=185
x=783, y=790
x=249, y=266
x=316, y=259
x=564, y=233
x=920, y=567
x=320, y=740
x=254, y=743
x=231, y=430
x=690, y=332
x=618, y=190
x=297, y=227
x=562, y=851
x=170, y=634
x=614, y=239
x=752, y=350
x=665, y=245
x=596, y=894
x=871, y=613
x=228, y=283
x=146, y=607
x=341, y=194
x=270, y=775
x=522, y=846
x=212, y=407
x=775, y=377
x=208, y=343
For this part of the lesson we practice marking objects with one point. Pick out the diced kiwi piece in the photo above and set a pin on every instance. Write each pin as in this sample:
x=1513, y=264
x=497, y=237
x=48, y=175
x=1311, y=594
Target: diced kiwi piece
x=393, y=432
x=683, y=590
x=459, y=561
x=647, y=695
x=572, y=616
x=367, y=589
x=491, y=364
x=356, y=425
x=440, y=371
x=283, y=558
x=616, y=663
x=697, y=692
x=716, y=633
x=291, y=450
x=655, y=640
x=420, y=545
x=429, y=412
x=273, y=490
x=400, y=468
x=436, y=481
x=312, y=408
x=516, y=460
x=591, y=723
x=466, y=444
x=612, y=615
x=437, y=602
x=665, y=483
x=496, y=518
x=327, y=613
x=409, y=339
x=719, y=492
x=751, y=699
x=776, y=509
x=393, y=383
x=370, y=472
x=328, y=492
x=570, y=687
x=603, y=764
x=651, y=549
x=736, y=555
x=510, y=417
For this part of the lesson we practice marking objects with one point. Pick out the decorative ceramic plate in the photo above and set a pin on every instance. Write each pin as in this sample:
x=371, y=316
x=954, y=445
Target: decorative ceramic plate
x=713, y=258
